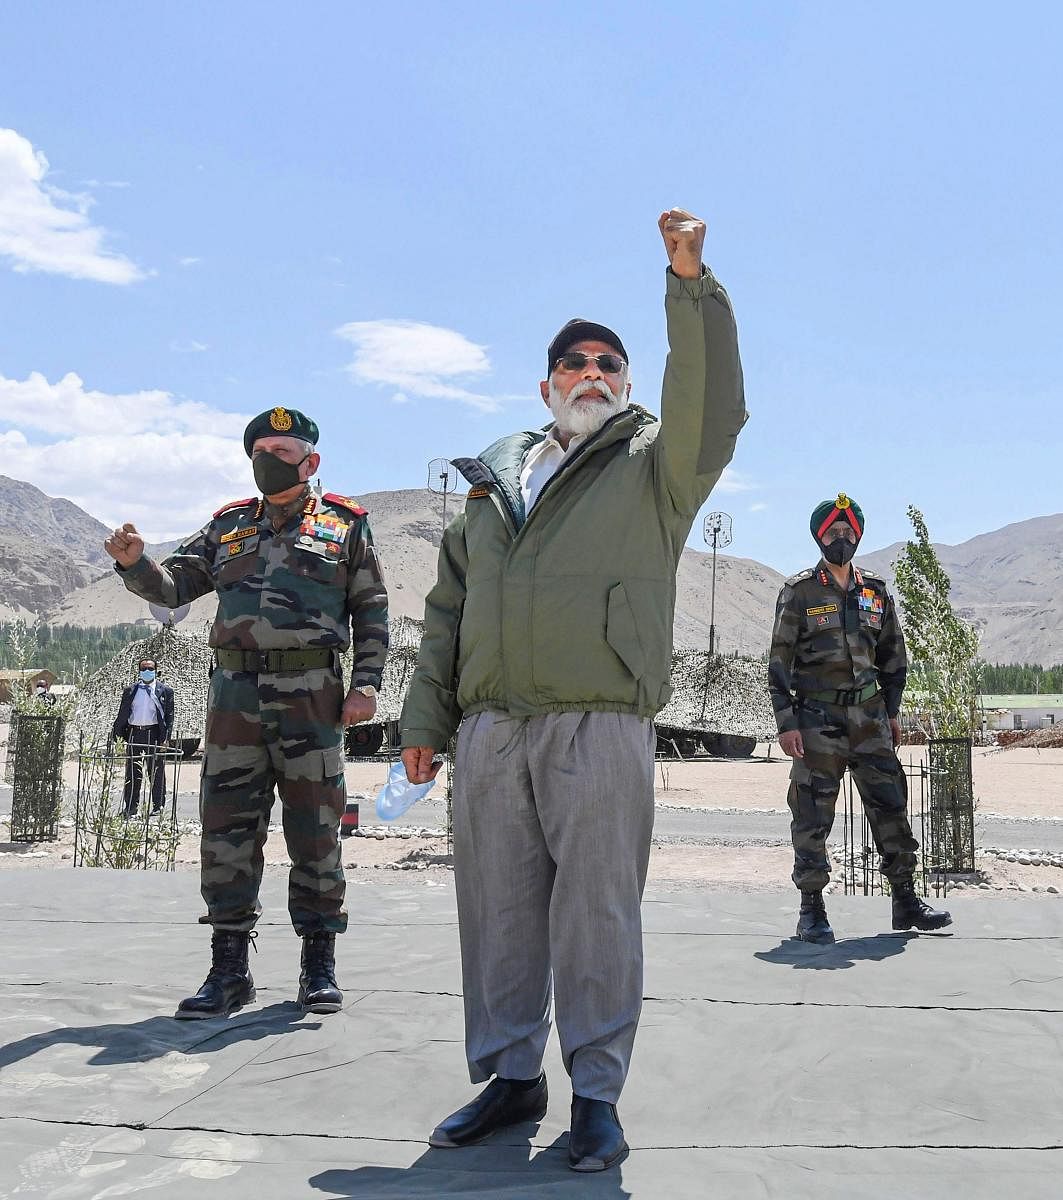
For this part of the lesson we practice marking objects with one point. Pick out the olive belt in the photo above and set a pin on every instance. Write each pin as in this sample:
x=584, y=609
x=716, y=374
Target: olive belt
x=269, y=661
x=844, y=696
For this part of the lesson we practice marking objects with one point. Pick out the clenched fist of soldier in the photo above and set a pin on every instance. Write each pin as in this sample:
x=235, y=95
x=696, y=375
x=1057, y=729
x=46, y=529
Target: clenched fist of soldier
x=684, y=239
x=125, y=545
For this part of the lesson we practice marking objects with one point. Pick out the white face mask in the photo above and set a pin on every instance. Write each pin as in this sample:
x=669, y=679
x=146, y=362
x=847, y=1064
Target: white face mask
x=578, y=417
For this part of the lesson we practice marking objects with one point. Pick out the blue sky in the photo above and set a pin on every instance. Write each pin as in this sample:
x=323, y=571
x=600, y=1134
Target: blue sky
x=381, y=214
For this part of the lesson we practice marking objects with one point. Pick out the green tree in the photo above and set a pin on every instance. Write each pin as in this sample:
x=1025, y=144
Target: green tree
x=943, y=648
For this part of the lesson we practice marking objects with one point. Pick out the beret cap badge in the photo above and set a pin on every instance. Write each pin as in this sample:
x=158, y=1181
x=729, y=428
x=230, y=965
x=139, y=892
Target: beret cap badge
x=280, y=419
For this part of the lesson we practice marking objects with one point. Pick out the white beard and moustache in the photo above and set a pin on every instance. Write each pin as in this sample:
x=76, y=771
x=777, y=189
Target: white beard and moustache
x=578, y=420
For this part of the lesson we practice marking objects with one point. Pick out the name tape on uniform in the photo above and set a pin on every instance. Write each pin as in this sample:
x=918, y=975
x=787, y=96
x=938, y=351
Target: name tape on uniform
x=237, y=534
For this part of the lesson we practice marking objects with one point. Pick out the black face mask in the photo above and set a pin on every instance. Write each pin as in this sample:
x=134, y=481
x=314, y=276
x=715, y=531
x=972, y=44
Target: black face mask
x=839, y=552
x=273, y=475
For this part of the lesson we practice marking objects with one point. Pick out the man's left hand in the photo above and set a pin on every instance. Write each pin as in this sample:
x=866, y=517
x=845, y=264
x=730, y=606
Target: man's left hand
x=895, y=731
x=684, y=238
x=357, y=708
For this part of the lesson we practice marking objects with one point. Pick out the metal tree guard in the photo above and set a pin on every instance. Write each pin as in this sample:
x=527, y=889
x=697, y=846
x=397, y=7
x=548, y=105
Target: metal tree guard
x=717, y=534
x=35, y=754
x=442, y=478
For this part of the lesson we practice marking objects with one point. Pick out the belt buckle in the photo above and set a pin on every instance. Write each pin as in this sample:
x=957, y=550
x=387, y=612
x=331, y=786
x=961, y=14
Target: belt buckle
x=260, y=658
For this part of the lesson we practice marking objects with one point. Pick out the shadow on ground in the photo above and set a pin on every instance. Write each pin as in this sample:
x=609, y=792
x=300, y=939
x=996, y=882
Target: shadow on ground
x=507, y=1169
x=804, y=956
x=140, y=1041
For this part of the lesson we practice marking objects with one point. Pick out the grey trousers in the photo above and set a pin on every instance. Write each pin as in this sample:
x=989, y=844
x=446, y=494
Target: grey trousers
x=553, y=817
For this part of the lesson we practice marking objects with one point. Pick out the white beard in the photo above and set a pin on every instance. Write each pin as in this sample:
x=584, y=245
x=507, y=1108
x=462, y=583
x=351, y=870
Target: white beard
x=580, y=419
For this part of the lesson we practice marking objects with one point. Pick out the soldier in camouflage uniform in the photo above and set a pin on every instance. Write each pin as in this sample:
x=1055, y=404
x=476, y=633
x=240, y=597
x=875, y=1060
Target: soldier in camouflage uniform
x=836, y=675
x=294, y=571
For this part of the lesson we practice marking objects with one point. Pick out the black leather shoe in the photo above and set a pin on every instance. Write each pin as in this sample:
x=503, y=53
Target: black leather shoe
x=596, y=1139
x=318, y=992
x=812, y=923
x=501, y=1104
x=228, y=985
x=912, y=912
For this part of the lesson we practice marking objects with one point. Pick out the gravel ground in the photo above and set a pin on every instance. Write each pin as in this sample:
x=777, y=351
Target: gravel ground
x=722, y=826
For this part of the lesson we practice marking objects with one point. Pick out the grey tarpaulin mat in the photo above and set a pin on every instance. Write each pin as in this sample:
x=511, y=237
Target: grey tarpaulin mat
x=889, y=1065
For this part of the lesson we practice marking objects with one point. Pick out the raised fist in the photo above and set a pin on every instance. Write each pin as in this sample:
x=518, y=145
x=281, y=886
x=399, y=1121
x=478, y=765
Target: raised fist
x=684, y=237
x=125, y=545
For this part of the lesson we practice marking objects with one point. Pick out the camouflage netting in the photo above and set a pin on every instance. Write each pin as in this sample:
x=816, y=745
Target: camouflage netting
x=735, y=700
x=404, y=638
x=184, y=663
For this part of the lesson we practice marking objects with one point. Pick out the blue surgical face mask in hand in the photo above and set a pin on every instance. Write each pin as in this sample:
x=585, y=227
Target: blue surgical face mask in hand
x=398, y=795
x=147, y=676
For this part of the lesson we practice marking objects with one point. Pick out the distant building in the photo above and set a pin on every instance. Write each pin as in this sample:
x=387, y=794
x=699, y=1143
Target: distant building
x=1021, y=712
x=10, y=681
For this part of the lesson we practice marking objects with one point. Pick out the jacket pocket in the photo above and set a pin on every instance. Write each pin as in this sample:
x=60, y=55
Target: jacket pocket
x=622, y=633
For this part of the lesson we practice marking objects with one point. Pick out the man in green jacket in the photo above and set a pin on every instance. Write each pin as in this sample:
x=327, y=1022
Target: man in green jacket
x=548, y=638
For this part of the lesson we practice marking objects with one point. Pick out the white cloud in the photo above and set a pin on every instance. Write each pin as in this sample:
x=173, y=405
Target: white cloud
x=190, y=260
x=45, y=229
x=760, y=506
x=418, y=361
x=732, y=481
x=164, y=464
x=188, y=346
x=66, y=408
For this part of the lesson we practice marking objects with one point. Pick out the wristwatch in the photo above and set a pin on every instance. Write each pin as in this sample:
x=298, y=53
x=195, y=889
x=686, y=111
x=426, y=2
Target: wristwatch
x=366, y=689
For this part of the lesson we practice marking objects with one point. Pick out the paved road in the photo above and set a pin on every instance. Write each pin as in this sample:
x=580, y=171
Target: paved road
x=711, y=827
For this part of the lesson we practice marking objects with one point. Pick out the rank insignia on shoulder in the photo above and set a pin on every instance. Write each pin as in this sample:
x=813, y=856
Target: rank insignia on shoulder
x=235, y=504
x=347, y=503
x=477, y=493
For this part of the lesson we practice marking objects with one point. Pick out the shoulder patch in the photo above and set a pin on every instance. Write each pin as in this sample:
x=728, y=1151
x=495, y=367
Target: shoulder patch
x=236, y=504
x=871, y=575
x=799, y=576
x=347, y=503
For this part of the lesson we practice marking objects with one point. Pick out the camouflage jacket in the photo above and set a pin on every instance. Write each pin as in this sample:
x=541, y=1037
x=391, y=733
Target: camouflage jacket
x=298, y=586
x=826, y=639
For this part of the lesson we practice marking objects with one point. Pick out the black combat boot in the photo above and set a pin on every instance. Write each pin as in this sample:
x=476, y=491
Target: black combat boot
x=318, y=992
x=912, y=912
x=228, y=985
x=812, y=924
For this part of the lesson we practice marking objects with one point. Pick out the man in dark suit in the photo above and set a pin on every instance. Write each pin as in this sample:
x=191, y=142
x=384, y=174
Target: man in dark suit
x=145, y=721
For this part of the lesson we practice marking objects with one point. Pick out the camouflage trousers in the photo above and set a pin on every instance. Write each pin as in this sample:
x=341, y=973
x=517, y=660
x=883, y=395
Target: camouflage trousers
x=859, y=738
x=266, y=730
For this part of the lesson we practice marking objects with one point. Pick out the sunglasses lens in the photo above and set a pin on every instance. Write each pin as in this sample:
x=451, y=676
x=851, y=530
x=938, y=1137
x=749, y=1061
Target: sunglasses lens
x=576, y=360
x=573, y=361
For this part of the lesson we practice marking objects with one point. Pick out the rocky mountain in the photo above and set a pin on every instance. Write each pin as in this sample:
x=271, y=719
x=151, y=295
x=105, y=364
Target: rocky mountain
x=1009, y=583
x=34, y=577
x=49, y=521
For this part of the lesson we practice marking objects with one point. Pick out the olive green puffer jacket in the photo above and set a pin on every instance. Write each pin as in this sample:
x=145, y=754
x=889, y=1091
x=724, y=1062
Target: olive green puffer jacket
x=569, y=607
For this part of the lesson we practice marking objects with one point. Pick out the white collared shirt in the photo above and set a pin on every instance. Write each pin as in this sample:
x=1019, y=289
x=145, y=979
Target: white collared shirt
x=143, y=711
x=542, y=463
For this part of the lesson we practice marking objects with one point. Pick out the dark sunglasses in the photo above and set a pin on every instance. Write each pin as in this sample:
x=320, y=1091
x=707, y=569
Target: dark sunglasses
x=576, y=360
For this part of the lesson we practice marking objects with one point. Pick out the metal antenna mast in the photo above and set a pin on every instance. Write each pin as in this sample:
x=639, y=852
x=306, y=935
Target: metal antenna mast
x=442, y=477
x=717, y=534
